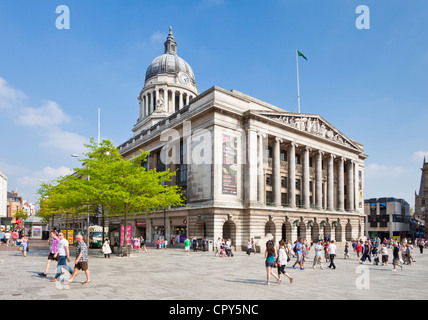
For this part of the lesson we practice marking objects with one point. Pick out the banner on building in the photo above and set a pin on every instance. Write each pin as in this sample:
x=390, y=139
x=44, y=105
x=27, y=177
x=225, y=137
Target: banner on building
x=229, y=165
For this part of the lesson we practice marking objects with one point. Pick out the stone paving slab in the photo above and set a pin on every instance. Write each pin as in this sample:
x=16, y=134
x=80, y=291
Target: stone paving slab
x=170, y=275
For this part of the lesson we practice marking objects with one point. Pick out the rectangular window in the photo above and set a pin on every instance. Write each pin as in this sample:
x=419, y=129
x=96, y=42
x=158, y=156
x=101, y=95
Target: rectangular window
x=269, y=152
x=268, y=179
x=310, y=162
x=269, y=199
x=297, y=158
x=297, y=184
x=284, y=182
x=283, y=155
x=284, y=199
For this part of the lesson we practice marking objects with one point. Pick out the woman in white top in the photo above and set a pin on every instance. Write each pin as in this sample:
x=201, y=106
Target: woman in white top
x=282, y=262
x=384, y=253
x=249, y=247
x=106, y=249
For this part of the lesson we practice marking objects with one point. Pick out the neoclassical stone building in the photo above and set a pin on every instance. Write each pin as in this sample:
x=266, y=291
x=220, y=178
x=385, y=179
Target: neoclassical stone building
x=247, y=168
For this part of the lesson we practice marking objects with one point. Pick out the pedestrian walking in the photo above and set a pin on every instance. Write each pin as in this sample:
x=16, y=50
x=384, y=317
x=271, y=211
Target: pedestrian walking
x=195, y=244
x=396, y=257
x=270, y=255
x=359, y=250
x=249, y=247
x=347, y=251
x=54, y=249
x=2, y=237
x=143, y=244
x=24, y=246
x=253, y=245
x=384, y=253
x=217, y=247
x=81, y=262
x=332, y=252
x=421, y=246
x=318, y=254
x=63, y=255
x=14, y=238
x=366, y=252
x=187, y=246
x=106, y=248
x=7, y=237
x=299, y=254
x=282, y=262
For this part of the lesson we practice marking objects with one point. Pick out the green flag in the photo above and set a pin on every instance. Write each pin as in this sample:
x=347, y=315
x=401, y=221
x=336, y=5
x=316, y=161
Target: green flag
x=301, y=55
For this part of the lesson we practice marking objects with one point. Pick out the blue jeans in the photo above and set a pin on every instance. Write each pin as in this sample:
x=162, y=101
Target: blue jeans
x=62, y=262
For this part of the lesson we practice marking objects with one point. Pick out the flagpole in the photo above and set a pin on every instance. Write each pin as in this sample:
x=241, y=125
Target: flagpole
x=298, y=86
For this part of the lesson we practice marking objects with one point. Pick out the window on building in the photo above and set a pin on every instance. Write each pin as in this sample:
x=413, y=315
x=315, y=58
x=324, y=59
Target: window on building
x=269, y=152
x=268, y=179
x=297, y=158
x=283, y=155
x=269, y=198
x=284, y=182
x=298, y=184
x=284, y=199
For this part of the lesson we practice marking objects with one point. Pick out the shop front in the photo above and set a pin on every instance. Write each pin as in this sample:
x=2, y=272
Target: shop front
x=140, y=228
x=179, y=229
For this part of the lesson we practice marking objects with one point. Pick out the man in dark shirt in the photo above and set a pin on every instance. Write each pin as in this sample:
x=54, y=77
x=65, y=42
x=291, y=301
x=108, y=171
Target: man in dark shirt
x=396, y=255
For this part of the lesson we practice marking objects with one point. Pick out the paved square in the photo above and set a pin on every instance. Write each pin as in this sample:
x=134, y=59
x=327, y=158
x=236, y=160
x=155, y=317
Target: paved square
x=169, y=274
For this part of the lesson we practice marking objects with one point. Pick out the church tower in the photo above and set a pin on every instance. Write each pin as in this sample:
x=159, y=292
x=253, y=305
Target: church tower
x=169, y=86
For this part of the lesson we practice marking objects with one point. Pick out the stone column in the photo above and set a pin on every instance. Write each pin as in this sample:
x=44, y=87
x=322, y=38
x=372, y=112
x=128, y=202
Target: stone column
x=350, y=185
x=292, y=174
x=165, y=100
x=251, y=182
x=152, y=102
x=145, y=113
x=261, y=176
x=318, y=179
x=156, y=99
x=141, y=108
x=340, y=185
x=173, y=101
x=187, y=99
x=276, y=168
x=180, y=104
x=305, y=178
x=330, y=182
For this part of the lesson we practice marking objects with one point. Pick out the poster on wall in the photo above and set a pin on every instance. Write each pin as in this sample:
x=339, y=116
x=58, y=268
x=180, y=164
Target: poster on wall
x=128, y=232
x=229, y=165
x=360, y=188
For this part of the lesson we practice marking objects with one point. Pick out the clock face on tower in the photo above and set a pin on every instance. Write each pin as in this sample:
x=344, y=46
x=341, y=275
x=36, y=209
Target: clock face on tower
x=184, y=78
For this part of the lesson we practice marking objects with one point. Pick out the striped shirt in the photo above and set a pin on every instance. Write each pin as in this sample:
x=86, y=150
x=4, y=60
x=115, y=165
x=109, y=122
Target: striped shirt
x=82, y=248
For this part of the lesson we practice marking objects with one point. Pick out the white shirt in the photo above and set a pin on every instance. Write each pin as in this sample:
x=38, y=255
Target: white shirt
x=332, y=248
x=61, y=247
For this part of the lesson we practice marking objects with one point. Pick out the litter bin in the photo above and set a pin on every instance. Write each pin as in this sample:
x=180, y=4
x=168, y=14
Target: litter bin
x=210, y=245
x=45, y=235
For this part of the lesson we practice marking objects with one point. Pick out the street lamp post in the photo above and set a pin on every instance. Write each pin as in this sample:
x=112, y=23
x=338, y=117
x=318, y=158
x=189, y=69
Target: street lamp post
x=87, y=221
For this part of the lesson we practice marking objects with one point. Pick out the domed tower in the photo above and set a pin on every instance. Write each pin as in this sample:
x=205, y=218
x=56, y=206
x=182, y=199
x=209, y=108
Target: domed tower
x=169, y=86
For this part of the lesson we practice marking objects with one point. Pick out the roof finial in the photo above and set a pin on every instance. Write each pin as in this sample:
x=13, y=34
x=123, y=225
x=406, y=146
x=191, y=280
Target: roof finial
x=170, y=44
x=170, y=30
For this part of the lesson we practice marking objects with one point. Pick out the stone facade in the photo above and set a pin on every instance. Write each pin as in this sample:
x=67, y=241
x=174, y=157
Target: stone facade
x=248, y=169
x=421, y=197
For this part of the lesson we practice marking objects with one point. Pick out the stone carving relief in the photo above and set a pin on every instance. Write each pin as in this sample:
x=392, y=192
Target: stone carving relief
x=313, y=126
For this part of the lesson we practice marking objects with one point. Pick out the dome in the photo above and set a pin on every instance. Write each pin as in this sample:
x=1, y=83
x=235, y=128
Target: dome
x=170, y=62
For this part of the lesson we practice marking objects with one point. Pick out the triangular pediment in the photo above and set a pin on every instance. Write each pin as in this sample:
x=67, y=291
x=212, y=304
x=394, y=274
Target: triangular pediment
x=314, y=125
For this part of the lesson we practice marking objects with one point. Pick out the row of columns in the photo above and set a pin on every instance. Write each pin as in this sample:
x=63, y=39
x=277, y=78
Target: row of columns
x=291, y=188
x=148, y=101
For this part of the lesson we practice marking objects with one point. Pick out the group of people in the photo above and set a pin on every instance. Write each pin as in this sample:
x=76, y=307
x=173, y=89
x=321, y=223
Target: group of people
x=59, y=251
x=327, y=250
x=223, y=248
x=16, y=237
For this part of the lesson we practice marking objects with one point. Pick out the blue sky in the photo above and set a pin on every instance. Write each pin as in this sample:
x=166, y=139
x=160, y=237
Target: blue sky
x=370, y=84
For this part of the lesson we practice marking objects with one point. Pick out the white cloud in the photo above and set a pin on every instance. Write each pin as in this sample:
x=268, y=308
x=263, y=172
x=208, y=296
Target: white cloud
x=9, y=97
x=46, y=174
x=64, y=140
x=418, y=156
x=376, y=171
x=157, y=37
x=47, y=116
